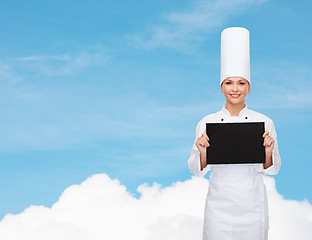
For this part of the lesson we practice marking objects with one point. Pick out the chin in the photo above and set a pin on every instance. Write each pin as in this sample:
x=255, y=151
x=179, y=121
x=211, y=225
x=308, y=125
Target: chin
x=235, y=101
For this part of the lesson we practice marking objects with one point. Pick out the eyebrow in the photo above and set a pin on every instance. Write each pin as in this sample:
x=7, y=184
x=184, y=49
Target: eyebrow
x=242, y=80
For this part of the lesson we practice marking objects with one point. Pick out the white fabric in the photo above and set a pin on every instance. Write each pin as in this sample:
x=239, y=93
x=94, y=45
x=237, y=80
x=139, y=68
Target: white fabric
x=236, y=205
x=235, y=57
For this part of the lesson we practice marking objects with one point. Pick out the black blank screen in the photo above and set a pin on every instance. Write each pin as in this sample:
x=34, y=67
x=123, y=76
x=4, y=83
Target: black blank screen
x=235, y=143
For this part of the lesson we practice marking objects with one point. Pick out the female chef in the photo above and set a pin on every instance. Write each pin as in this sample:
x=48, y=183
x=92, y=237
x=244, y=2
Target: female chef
x=236, y=204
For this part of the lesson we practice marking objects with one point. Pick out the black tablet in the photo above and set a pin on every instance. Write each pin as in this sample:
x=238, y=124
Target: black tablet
x=235, y=143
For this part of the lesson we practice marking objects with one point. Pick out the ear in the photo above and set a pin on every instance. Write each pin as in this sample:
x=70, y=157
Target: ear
x=248, y=87
x=222, y=85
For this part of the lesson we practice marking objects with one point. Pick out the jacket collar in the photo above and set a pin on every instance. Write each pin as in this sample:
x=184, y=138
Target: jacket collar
x=241, y=113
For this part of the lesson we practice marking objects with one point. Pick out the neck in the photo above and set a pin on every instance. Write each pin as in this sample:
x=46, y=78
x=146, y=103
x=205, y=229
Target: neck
x=234, y=109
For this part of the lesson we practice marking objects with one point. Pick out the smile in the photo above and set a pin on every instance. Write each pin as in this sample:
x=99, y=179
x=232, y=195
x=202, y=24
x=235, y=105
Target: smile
x=235, y=95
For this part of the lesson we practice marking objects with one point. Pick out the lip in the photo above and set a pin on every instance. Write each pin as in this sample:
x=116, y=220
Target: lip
x=235, y=95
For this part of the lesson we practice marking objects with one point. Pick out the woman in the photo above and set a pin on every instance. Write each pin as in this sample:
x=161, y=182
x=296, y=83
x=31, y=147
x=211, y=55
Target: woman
x=236, y=204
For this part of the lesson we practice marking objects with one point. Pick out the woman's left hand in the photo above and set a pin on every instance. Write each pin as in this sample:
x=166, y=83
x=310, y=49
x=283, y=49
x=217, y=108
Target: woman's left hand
x=268, y=142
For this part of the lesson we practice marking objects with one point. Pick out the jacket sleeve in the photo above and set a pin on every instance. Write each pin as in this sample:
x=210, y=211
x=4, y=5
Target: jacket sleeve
x=194, y=160
x=276, y=159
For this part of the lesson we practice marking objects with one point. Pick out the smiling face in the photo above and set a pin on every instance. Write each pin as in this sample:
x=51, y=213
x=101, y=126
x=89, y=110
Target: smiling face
x=235, y=90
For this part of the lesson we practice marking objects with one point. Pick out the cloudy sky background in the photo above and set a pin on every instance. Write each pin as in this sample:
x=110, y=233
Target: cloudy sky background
x=101, y=208
x=117, y=87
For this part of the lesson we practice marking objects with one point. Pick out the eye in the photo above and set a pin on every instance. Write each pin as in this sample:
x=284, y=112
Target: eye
x=242, y=83
x=227, y=82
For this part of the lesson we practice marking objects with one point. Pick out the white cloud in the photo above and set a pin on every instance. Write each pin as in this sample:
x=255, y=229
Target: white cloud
x=180, y=30
x=63, y=64
x=6, y=74
x=281, y=85
x=101, y=208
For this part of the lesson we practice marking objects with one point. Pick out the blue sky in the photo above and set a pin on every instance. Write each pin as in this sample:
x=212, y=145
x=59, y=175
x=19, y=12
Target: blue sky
x=118, y=87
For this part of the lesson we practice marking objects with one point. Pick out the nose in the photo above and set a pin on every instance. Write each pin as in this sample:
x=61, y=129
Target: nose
x=235, y=88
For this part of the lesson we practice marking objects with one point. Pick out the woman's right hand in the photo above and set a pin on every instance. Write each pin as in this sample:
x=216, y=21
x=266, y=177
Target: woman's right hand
x=202, y=143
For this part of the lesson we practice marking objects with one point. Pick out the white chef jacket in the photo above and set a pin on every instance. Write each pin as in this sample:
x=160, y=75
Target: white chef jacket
x=236, y=204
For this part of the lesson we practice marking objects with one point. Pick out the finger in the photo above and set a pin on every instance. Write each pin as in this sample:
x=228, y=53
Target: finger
x=205, y=135
x=271, y=143
x=270, y=138
x=199, y=145
x=265, y=133
x=265, y=141
x=201, y=141
x=205, y=142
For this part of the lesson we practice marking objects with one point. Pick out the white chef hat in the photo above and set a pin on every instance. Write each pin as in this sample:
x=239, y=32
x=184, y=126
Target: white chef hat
x=235, y=57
